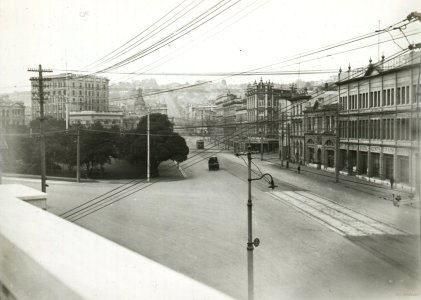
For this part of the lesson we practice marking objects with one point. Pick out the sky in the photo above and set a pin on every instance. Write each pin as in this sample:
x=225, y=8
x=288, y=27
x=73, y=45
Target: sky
x=246, y=35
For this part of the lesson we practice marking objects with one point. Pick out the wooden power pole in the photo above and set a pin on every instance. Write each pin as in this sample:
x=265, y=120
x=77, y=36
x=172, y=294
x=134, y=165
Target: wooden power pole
x=41, y=80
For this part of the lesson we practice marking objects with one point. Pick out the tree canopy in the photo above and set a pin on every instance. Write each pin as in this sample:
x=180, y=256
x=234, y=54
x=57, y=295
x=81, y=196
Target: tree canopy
x=98, y=145
x=165, y=144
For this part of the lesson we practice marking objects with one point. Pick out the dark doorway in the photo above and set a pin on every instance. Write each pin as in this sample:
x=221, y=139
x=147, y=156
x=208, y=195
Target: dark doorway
x=363, y=163
x=330, y=158
x=352, y=162
x=375, y=164
x=388, y=166
x=311, y=155
x=319, y=158
x=403, y=168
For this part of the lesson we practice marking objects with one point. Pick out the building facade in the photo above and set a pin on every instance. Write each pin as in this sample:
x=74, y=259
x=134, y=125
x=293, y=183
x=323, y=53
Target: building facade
x=229, y=108
x=379, y=123
x=266, y=105
x=11, y=114
x=291, y=130
x=78, y=92
x=241, y=127
x=87, y=118
x=200, y=119
x=320, y=132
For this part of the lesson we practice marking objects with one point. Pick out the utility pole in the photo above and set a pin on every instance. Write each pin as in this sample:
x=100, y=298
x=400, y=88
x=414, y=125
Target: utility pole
x=250, y=247
x=337, y=148
x=78, y=156
x=261, y=145
x=41, y=111
x=148, y=165
x=288, y=144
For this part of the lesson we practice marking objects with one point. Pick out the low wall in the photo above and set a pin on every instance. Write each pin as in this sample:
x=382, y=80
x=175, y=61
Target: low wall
x=45, y=257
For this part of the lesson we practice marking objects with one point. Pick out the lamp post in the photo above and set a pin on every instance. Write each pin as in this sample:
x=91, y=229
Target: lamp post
x=250, y=242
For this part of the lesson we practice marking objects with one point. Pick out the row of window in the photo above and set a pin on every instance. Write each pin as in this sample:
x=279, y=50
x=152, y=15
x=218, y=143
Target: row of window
x=59, y=84
x=297, y=128
x=376, y=99
x=251, y=103
x=53, y=108
x=5, y=122
x=87, y=93
x=90, y=100
x=319, y=124
x=297, y=109
x=265, y=130
x=385, y=129
x=13, y=112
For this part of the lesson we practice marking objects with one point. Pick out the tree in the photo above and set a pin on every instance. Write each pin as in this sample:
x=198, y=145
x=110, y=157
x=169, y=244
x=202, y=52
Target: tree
x=165, y=144
x=59, y=146
x=98, y=146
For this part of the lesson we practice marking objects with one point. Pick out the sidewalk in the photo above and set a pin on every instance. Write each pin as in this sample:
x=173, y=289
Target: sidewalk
x=367, y=198
x=364, y=197
x=383, y=186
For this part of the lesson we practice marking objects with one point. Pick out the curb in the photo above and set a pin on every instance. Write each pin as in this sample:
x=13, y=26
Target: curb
x=52, y=178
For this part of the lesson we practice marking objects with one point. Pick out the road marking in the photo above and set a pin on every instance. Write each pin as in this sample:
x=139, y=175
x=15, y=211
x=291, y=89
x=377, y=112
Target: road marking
x=338, y=218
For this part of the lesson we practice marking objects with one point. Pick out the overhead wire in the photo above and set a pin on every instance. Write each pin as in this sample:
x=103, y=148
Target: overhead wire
x=154, y=32
x=203, y=38
x=179, y=33
x=228, y=76
x=95, y=63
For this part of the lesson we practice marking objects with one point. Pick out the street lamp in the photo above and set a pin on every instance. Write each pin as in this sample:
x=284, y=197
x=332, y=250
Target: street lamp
x=251, y=244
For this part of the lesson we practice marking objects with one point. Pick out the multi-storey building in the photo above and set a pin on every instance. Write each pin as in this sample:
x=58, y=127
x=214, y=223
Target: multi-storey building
x=201, y=118
x=11, y=113
x=229, y=107
x=241, y=127
x=320, y=130
x=291, y=130
x=218, y=131
x=379, y=123
x=225, y=105
x=78, y=92
x=266, y=106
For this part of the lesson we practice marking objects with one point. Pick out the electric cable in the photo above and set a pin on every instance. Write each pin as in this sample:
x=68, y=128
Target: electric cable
x=95, y=63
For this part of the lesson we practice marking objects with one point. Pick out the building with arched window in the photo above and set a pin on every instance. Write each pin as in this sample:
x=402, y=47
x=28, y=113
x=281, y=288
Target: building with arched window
x=320, y=130
x=379, y=123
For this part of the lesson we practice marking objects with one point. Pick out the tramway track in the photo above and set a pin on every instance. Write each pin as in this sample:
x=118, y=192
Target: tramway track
x=335, y=216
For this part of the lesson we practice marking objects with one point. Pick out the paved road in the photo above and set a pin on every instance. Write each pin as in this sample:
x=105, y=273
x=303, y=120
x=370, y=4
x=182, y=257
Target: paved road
x=198, y=227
